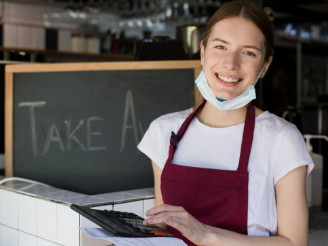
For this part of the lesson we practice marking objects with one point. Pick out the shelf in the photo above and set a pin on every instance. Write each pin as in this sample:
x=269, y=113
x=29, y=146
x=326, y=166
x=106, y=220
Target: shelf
x=14, y=54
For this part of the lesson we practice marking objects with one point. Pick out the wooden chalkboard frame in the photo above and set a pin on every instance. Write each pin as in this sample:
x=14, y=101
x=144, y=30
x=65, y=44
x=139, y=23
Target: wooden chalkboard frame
x=11, y=70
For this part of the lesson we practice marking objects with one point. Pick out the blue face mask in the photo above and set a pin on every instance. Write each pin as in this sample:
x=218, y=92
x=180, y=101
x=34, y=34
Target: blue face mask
x=235, y=103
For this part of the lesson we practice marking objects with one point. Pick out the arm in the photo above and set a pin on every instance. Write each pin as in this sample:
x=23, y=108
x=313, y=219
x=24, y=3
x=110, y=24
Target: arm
x=157, y=183
x=292, y=219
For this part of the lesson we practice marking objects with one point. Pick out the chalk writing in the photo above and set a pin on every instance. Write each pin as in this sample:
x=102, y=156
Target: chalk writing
x=65, y=139
x=129, y=111
x=53, y=135
x=91, y=133
x=71, y=134
x=31, y=106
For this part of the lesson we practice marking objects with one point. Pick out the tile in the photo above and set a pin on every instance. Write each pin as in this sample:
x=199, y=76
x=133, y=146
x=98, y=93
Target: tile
x=27, y=214
x=68, y=223
x=9, y=209
x=62, y=195
x=39, y=190
x=108, y=207
x=148, y=204
x=142, y=193
x=25, y=239
x=13, y=184
x=46, y=220
x=86, y=200
x=134, y=207
x=9, y=236
x=43, y=242
x=117, y=197
x=1, y=235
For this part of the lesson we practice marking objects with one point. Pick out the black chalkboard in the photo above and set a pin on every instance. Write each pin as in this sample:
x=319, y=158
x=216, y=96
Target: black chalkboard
x=78, y=130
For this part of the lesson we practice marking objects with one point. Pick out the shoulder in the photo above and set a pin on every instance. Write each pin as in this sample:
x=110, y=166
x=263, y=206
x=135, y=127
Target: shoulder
x=171, y=120
x=274, y=123
x=155, y=141
x=281, y=144
x=272, y=130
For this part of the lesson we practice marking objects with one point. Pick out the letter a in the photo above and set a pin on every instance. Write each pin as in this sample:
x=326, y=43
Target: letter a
x=129, y=111
x=53, y=136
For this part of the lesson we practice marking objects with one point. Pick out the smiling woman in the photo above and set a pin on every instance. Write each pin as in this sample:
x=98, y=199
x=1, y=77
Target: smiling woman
x=235, y=53
x=227, y=173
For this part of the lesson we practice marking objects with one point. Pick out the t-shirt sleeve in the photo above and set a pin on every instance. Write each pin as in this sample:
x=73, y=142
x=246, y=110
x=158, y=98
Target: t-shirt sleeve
x=155, y=144
x=292, y=153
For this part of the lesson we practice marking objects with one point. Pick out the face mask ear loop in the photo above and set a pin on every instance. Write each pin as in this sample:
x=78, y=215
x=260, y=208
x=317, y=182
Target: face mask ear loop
x=258, y=76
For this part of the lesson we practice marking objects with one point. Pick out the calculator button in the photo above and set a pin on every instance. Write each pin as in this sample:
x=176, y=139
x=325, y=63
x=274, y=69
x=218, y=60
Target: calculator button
x=159, y=233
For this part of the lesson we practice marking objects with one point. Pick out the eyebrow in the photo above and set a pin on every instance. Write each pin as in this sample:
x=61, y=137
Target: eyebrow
x=245, y=46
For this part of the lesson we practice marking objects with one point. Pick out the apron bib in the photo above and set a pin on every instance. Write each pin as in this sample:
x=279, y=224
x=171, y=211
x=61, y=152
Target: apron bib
x=215, y=197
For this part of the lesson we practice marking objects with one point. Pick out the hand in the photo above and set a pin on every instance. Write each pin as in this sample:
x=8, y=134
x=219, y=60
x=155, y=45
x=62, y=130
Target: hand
x=180, y=219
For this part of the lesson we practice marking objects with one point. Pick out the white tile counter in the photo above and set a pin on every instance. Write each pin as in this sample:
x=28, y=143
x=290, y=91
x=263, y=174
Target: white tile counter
x=34, y=214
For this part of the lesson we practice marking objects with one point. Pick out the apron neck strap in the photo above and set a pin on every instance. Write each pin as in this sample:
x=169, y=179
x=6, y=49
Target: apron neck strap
x=248, y=134
x=186, y=123
x=175, y=138
x=246, y=141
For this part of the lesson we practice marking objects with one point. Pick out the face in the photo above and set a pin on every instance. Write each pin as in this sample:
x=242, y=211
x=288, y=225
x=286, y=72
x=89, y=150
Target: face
x=233, y=57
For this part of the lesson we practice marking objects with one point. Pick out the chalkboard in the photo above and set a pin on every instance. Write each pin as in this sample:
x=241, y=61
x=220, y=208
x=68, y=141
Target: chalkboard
x=77, y=127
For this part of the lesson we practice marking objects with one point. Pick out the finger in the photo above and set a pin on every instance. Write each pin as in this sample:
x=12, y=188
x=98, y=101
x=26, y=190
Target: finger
x=181, y=221
x=164, y=217
x=163, y=208
x=177, y=222
x=155, y=219
x=187, y=226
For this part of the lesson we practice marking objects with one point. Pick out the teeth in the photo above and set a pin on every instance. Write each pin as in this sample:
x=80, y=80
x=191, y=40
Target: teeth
x=228, y=80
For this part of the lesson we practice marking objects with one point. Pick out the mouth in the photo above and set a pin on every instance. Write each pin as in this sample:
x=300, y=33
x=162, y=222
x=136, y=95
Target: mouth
x=228, y=79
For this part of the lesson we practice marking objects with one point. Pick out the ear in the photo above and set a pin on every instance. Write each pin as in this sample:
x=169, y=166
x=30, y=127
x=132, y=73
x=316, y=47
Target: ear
x=266, y=66
x=202, y=48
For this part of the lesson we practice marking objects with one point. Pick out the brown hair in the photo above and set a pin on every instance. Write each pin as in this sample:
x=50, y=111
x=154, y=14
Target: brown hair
x=247, y=10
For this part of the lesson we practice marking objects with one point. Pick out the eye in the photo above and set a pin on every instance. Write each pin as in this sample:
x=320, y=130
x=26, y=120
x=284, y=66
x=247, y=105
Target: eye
x=250, y=53
x=220, y=47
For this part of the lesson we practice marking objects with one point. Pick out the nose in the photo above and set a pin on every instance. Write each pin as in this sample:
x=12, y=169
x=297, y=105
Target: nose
x=232, y=60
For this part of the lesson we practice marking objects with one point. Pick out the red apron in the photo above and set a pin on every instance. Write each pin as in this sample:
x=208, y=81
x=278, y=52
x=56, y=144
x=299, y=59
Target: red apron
x=215, y=197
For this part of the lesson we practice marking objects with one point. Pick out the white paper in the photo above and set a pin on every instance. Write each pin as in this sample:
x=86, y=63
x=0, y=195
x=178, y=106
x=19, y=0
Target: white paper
x=128, y=241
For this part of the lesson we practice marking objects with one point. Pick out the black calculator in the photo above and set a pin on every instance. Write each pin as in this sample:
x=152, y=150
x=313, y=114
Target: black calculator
x=120, y=223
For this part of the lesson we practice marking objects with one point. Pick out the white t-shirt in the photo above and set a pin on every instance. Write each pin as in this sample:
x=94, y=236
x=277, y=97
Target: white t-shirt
x=278, y=147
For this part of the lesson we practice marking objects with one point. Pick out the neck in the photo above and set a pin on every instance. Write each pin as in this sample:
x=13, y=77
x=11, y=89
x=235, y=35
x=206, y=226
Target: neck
x=213, y=117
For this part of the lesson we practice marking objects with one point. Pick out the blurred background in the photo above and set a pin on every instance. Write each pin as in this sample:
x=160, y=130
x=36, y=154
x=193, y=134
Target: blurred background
x=53, y=31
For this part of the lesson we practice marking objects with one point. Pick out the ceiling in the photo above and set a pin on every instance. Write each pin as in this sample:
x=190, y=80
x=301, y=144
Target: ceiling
x=295, y=11
x=300, y=11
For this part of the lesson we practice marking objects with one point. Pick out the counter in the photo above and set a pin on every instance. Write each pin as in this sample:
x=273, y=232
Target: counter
x=34, y=213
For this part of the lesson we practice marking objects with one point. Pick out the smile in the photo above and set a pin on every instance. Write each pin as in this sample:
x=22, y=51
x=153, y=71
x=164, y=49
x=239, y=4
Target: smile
x=227, y=79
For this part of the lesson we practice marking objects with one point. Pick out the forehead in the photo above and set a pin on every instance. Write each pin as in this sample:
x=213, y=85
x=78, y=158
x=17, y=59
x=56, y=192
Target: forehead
x=237, y=30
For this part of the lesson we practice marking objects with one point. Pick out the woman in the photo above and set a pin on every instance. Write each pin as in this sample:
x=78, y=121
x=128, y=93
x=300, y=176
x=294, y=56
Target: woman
x=229, y=173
